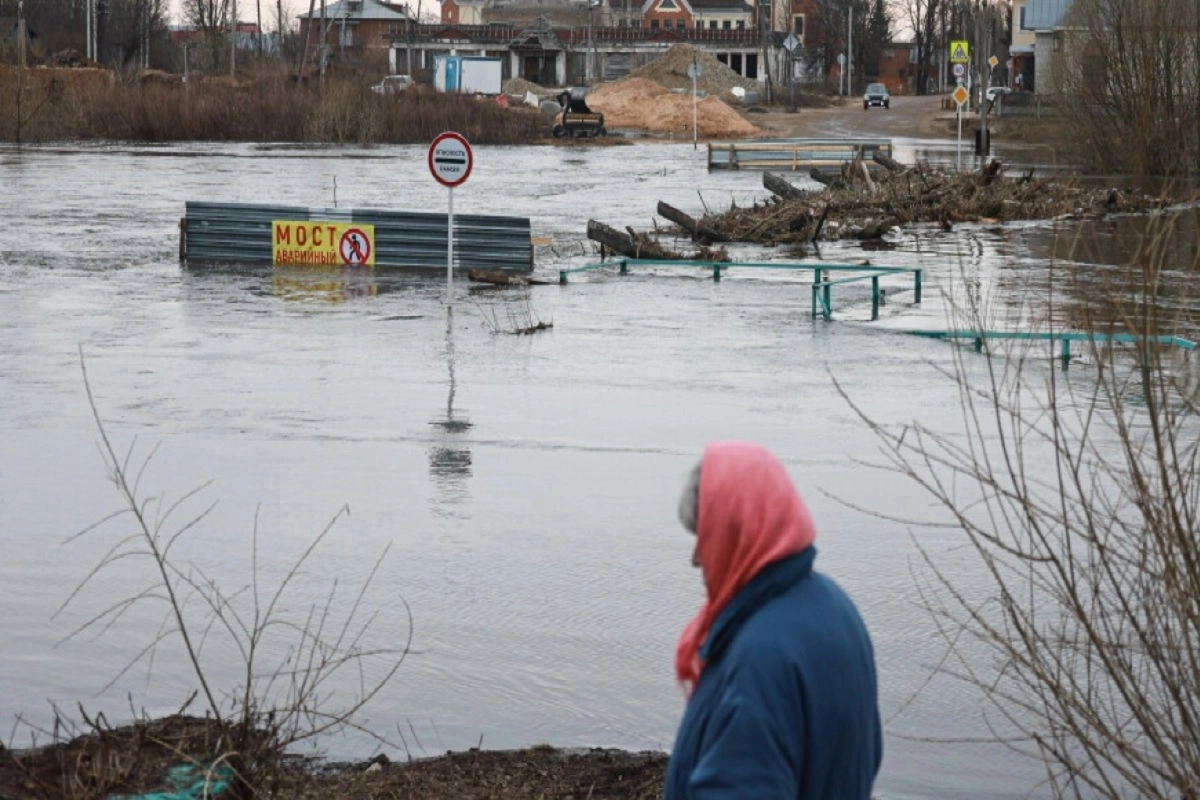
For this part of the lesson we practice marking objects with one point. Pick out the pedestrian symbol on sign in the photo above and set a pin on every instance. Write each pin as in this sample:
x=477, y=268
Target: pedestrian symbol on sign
x=959, y=51
x=355, y=248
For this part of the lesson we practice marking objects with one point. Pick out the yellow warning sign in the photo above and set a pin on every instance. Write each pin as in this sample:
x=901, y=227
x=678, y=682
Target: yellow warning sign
x=312, y=243
x=960, y=51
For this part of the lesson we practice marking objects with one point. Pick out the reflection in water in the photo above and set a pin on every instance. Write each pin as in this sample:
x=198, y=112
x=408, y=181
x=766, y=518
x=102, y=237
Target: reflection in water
x=1133, y=272
x=449, y=460
x=330, y=284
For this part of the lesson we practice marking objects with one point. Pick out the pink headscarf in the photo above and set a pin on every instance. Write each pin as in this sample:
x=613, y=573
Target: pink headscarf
x=748, y=515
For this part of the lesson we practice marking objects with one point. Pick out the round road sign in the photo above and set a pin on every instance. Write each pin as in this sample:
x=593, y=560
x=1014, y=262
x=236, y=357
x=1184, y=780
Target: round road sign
x=354, y=247
x=960, y=70
x=450, y=159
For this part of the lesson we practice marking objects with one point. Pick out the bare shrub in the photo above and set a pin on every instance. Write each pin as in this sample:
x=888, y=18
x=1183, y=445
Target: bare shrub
x=509, y=312
x=296, y=658
x=1128, y=76
x=1080, y=499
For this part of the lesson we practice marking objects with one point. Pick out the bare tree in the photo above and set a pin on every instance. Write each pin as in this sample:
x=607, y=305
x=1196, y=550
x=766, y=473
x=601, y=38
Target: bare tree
x=1081, y=501
x=1128, y=73
x=211, y=18
x=922, y=17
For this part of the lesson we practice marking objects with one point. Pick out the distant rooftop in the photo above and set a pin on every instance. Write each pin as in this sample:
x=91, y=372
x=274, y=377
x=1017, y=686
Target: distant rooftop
x=361, y=9
x=1045, y=15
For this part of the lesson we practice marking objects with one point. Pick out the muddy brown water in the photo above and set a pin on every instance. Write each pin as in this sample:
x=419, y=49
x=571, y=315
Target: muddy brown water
x=526, y=486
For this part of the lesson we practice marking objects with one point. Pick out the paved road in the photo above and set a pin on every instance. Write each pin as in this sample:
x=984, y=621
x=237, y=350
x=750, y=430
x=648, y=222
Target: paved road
x=912, y=117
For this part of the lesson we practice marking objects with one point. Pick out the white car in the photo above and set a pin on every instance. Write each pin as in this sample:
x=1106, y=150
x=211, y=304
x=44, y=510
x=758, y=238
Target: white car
x=995, y=92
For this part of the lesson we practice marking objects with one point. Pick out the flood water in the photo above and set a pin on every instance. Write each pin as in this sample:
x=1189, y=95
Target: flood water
x=524, y=486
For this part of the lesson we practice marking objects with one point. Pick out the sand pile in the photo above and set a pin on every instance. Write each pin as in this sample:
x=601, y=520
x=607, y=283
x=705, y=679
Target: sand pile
x=671, y=70
x=519, y=86
x=636, y=102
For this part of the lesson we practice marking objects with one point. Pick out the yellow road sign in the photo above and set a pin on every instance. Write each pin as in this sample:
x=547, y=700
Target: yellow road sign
x=960, y=51
x=960, y=95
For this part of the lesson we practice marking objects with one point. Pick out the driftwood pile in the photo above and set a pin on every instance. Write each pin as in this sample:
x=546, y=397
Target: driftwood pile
x=865, y=202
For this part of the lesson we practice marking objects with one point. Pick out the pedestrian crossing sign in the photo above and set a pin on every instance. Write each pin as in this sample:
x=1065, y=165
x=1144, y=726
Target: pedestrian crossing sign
x=959, y=51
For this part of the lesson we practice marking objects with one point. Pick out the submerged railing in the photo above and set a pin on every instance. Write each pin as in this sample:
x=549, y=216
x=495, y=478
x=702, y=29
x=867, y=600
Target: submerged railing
x=822, y=285
x=1065, y=337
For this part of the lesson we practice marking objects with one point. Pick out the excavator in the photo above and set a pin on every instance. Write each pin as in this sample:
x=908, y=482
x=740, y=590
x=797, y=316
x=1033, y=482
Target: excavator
x=576, y=120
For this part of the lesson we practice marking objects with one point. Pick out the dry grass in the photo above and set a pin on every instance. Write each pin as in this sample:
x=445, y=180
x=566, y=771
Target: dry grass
x=270, y=108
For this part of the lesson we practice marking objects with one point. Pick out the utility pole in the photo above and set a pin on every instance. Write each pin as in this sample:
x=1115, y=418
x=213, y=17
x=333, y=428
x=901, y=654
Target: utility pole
x=850, y=49
x=324, y=41
x=233, y=43
x=145, y=35
x=21, y=34
x=591, y=54
x=765, y=10
x=408, y=36
x=595, y=61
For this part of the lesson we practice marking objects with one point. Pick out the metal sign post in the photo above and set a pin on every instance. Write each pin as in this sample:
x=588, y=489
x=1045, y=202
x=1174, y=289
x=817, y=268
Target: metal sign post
x=694, y=72
x=450, y=162
x=960, y=96
x=790, y=44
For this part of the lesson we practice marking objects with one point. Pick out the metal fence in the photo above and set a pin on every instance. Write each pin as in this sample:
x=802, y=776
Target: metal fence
x=241, y=233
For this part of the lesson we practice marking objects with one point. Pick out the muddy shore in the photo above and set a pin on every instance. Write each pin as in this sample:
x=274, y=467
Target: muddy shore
x=186, y=757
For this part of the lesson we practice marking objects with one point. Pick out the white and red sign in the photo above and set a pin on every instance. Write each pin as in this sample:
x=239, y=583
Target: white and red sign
x=355, y=247
x=450, y=159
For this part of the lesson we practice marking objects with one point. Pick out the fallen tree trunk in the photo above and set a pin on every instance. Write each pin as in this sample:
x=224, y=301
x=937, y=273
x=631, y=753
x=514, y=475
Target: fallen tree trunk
x=496, y=277
x=499, y=277
x=891, y=164
x=700, y=232
x=821, y=177
x=636, y=245
x=778, y=186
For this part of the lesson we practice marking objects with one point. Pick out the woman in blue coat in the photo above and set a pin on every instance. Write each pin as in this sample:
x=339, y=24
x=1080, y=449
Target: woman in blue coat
x=777, y=664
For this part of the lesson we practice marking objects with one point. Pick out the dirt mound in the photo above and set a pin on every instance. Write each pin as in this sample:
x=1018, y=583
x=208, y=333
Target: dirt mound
x=636, y=102
x=671, y=70
x=518, y=87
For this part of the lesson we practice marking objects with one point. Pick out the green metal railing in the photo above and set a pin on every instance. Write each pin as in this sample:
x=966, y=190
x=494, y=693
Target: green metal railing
x=1064, y=337
x=822, y=285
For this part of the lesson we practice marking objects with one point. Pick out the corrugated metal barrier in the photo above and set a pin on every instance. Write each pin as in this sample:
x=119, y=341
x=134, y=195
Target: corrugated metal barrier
x=243, y=233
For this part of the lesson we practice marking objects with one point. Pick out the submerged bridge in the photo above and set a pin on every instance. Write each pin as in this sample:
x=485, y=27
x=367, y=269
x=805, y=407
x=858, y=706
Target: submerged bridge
x=826, y=276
